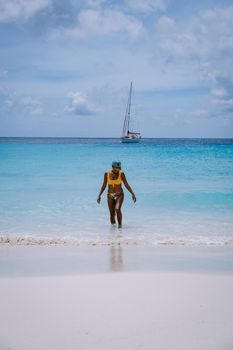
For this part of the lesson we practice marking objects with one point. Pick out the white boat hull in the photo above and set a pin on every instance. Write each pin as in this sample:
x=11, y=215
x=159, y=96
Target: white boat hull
x=130, y=140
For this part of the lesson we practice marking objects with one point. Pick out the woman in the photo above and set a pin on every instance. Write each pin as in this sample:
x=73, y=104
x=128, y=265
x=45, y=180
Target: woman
x=115, y=192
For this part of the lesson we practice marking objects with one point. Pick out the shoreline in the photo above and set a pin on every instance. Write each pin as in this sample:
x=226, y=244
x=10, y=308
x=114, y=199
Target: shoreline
x=57, y=260
x=118, y=238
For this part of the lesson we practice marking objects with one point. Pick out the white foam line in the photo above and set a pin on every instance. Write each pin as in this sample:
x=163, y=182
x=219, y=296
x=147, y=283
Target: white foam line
x=13, y=240
x=29, y=240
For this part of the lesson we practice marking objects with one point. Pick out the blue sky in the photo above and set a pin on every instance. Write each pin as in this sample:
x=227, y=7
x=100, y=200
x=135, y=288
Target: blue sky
x=66, y=66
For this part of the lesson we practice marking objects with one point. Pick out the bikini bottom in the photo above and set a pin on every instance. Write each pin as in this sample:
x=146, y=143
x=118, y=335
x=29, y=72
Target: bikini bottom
x=115, y=195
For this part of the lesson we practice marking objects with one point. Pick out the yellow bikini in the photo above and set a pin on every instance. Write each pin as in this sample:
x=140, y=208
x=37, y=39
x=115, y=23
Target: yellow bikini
x=114, y=195
x=114, y=182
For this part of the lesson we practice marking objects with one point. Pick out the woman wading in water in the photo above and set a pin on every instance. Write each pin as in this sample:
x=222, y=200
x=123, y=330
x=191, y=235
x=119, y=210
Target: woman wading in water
x=115, y=194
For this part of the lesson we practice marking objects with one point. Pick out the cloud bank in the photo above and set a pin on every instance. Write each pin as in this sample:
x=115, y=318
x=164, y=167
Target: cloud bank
x=11, y=103
x=146, y=6
x=96, y=23
x=13, y=10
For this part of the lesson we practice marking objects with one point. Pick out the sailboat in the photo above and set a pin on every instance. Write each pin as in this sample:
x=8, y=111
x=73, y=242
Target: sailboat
x=127, y=135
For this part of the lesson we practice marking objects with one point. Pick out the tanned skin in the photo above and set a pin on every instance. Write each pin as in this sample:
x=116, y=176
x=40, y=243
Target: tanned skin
x=114, y=204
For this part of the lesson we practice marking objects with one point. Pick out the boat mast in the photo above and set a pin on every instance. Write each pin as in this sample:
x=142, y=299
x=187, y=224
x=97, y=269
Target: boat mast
x=127, y=114
x=130, y=95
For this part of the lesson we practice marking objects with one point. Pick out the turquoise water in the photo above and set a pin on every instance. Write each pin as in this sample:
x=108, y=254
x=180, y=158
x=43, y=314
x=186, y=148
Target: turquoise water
x=184, y=189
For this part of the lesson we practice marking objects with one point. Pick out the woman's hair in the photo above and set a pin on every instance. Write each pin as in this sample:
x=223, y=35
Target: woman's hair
x=116, y=164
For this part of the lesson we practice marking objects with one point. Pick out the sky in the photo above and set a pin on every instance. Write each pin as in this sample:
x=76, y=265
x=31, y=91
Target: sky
x=66, y=67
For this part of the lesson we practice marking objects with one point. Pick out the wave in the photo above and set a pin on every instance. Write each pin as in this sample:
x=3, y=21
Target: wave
x=157, y=240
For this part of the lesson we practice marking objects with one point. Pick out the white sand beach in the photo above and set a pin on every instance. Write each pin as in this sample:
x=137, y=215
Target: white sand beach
x=148, y=310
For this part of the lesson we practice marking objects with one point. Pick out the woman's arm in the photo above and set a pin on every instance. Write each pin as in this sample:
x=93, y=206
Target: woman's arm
x=102, y=188
x=125, y=182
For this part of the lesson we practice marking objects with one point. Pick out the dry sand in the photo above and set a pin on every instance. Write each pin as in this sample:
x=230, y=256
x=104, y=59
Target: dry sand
x=113, y=311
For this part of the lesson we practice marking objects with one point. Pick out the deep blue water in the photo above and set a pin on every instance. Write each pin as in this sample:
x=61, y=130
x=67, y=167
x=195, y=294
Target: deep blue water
x=184, y=188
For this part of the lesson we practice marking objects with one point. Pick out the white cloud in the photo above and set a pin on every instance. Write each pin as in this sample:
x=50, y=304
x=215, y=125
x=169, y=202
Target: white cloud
x=94, y=3
x=10, y=102
x=222, y=93
x=209, y=33
x=225, y=104
x=30, y=105
x=78, y=104
x=94, y=23
x=219, y=92
x=11, y=10
x=146, y=5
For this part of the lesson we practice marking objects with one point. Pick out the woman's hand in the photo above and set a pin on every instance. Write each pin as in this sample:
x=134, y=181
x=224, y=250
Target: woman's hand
x=134, y=198
x=98, y=199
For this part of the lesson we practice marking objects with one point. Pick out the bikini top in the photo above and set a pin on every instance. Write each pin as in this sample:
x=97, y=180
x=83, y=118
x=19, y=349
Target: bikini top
x=114, y=182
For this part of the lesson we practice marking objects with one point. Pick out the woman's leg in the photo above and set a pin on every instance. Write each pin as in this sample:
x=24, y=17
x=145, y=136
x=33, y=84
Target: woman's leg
x=111, y=207
x=119, y=202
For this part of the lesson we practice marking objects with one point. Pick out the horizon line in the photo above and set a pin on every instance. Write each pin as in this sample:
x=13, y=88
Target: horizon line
x=112, y=137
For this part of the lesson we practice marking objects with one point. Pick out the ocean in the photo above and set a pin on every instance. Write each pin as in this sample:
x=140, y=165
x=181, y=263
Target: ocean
x=49, y=187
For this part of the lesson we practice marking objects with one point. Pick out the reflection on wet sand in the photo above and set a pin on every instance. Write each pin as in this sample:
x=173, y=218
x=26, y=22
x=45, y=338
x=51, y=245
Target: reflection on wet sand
x=116, y=257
